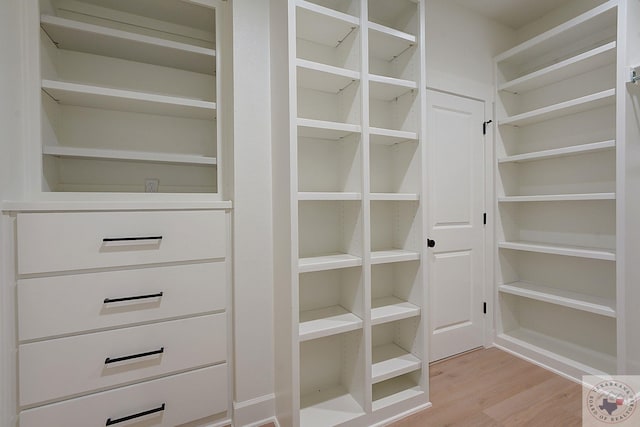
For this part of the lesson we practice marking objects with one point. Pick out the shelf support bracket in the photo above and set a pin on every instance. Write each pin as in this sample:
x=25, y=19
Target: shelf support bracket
x=635, y=75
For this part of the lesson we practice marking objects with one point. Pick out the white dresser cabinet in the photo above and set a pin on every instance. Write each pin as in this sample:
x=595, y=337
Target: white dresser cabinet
x=123, y=317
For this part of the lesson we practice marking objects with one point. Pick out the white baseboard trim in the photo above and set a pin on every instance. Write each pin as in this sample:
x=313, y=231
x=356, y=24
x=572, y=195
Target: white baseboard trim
x=255, y=412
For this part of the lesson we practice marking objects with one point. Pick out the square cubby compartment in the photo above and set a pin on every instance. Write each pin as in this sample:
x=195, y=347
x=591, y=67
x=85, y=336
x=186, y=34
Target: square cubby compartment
x=318, y=103
x=394, y=167
x=393, y=110
x=395, y=231
x=399, y=15
x=396, y=291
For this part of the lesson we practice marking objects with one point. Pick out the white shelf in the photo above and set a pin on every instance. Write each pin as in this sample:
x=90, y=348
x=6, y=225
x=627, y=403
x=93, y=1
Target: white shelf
x=82, y=37
x=583, y=359
x=558, y=197
x=562, y=109
x=392, y=391
x=588, y=61
x=560, y=152
x=393, y=255
x=546, y=248
x=90, y=153
x=389, y=88
x=329, y=196
x=327, y=321
x=328, y=262
x=329, y=407
x=321, y=129
x=390, y=309
x=578, y=301
x=390, y=136
x=325, y=78
x=398, y=197
x=390, y=360
x=322, y=25
x=387, y=43
x=590, y=22
x=125, y=100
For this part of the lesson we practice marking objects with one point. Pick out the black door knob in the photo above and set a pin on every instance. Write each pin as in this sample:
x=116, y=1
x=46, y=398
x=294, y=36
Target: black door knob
x=431, y=243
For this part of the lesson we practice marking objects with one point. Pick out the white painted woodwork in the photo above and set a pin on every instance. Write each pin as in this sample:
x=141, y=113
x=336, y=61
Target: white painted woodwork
x=390, y=361
x=189, y=396
x=547, y=248
x=74, y=240
x=61, y=305
x=64, y=367
x=559, y=152
x=89, y=153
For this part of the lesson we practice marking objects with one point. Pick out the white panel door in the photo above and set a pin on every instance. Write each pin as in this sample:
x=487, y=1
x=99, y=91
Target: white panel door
x=455, y=149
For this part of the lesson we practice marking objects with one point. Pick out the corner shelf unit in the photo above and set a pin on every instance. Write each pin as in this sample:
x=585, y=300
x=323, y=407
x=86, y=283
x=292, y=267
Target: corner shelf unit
x=113, y=114
x=557, y=190
x=355, y=281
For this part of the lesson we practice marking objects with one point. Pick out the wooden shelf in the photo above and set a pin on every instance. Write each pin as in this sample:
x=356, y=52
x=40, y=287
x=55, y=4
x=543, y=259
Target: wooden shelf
x=562, y=109
x=329, y=196
x=393, y=255
x=322, y=25
x=395, y=390
x=390, y=309
x=560, y=152
x=125, y=100
x=325, y=78
x=94, y=39
x=553, y=249
x=390, y=360
x=389, y=88
x=90, y=153
x=328, y=262
x=397, y=197
x=390, y=137
x=321, y=129
x=327, y=321
x=574, y=30
x=588, y=61
x=386, y=43
x=578, y=301
x=583, y=359
x=328, y=407
x=558, y=197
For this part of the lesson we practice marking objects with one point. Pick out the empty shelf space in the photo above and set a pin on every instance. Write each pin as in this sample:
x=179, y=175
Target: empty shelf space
x=389, y=309
x=391, y=360
x=318, y=195
x=554, y=249
x=576, y=29
x=584, y=359
x=126, y=100
x=89, y=38
x=390, y=136
x=395, y=196
x=328, y=262
x=388, y=88
x=569, y=299
x=560, y=152
x=321, y=129
x=395, y=390
x=326, y=78
x=327, y=321
x=323, y=25
x=90, y=153
x=591, y=60
x=558, y=197
x=393, y=255
x=332, y=406
x=387, y=43
x=561, y=109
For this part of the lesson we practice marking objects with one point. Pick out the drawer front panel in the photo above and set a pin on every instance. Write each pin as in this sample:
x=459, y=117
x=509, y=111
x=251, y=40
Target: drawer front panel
x=64, y=367
x=187, y=397
x=79, y=240
x=50, y=306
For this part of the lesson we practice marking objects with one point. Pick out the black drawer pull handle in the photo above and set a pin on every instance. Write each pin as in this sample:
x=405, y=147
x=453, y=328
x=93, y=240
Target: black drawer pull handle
x=110, y=300
x=111, y=422
x=129, y=239
x=133, y=356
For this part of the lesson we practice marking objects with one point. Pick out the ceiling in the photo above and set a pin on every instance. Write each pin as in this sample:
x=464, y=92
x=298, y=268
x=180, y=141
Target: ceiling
x=512, y=13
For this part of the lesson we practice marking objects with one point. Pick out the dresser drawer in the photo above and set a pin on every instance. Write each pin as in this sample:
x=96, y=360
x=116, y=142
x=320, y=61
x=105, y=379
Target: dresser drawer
x=79, y=240
x=186, y=397
x=64, y=367
x=59, y=305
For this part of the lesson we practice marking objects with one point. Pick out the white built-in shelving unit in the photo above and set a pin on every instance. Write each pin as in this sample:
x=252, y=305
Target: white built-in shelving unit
x=130, y=98
x=355, y=281
x=557, y=193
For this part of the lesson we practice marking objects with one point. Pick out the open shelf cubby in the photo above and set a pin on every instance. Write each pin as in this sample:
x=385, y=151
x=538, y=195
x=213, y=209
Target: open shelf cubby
x=394, y=231
x=317, y=102
x=396, y=291
x=332, y=379
x=400, y=15
x=394, y=168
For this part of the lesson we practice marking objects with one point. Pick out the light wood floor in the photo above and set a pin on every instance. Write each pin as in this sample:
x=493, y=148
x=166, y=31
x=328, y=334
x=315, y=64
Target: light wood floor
x=492, y=388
